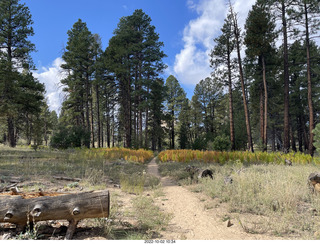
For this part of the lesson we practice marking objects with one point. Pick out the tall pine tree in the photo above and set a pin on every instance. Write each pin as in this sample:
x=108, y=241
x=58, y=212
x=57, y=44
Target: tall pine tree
x=15, y=28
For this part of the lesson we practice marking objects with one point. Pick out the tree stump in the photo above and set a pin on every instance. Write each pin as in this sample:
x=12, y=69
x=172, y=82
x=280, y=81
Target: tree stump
x=23, y=208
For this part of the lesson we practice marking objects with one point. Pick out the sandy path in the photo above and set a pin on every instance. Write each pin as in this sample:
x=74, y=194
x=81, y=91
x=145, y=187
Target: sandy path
x=191, y=220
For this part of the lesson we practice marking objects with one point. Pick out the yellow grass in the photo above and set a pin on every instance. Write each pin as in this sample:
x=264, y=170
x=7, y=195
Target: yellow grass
x=186, y=156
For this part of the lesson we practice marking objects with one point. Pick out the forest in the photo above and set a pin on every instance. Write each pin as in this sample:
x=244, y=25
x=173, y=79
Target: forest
x=263, y=93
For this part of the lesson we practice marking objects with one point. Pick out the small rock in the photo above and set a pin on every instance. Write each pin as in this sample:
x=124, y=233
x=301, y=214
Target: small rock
x=317, y=234
x=229, y=224
x=116, y=185
x=288, y=162
x=6, y=236
x=228, y=180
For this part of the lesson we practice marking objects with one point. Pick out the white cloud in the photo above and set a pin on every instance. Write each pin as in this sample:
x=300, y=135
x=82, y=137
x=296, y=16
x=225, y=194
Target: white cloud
x=51, y=77
x=192, y=63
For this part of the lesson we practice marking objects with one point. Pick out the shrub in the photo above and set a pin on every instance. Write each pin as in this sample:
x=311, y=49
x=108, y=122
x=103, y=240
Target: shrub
x=316, y=132
x=66, y=137
x=220, y=143
x=199, y=144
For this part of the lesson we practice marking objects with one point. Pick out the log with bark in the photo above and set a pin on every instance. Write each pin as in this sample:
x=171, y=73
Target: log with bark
x=22, y=209
x=66, y=178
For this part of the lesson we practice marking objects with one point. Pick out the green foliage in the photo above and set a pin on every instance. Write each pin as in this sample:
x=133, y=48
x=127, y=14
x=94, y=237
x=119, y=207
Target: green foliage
x=175, y=98
x=134, y=55
x=70, y=137
x=199, y=143
x=21, y=94
x=316, y=133
x=220, y=143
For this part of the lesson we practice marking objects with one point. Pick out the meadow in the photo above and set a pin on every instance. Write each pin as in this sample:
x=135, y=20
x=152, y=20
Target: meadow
x=266, y=196
x=98, y=169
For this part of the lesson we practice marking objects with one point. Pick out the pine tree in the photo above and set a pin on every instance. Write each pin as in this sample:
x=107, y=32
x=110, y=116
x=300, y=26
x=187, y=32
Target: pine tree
x=307, y=14
x=15, y=28
x=174, y=99
x=208, y=93
x=156, y=116
x=220, y=58
x=237, y=38
x=259, y=40
x=184, y=125
x=134, y=56
x=79, y=65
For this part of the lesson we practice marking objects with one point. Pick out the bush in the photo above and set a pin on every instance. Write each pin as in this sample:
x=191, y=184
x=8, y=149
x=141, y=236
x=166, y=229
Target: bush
x=199, y=144
x=66, y=137
x=220, y=143
x=316, y=132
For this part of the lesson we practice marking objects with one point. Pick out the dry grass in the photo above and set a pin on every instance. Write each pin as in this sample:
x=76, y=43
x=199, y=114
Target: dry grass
x=276, y=192
x=264, y=198
x=96, y=173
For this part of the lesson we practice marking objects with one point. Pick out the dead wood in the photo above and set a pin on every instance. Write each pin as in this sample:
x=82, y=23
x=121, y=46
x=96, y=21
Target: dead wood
x=6, y=188
x=66, y=178
x=20, y=209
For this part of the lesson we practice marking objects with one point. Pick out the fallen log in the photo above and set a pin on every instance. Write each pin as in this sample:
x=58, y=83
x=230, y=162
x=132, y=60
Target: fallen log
x=8, y=187
x=66, y=178
x=22, y=210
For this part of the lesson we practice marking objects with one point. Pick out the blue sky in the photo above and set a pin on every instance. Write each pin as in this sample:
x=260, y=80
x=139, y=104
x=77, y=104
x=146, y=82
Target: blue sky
x=187, y=29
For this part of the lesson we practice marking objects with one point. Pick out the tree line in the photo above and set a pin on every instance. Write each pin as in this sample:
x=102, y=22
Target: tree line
x=266, y=99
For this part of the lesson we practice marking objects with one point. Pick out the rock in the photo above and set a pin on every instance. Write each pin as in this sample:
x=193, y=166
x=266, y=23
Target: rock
x=229, y=224
x=288, y=162
x=228, y=180
x=6, y=236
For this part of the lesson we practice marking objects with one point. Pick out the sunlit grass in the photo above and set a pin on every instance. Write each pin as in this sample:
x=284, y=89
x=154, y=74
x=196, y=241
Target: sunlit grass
x=187, y=156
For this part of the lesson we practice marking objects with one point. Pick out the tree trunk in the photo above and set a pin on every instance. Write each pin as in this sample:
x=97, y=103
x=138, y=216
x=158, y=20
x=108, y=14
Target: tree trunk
x=10, y=118
x=172, y=129
x=43, y=206
x=87, y=105
x=146, y=142
x=310, y=103
x=98, y=116
x=265, y=136
x=92, y=124
x=293, y=140
x=232, y=135
x=108, y=130
x=246, y=110
x=261, y=116
x=128, y=119
x=11, y=134
x=286, y=139
x=273, y=146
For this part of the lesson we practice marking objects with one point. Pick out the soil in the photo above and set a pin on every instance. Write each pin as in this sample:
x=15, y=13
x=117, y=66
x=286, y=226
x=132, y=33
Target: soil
x=195, y=216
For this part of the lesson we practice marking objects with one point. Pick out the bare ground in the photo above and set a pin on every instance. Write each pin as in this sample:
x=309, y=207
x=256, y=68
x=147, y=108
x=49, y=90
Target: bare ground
x=196, y=216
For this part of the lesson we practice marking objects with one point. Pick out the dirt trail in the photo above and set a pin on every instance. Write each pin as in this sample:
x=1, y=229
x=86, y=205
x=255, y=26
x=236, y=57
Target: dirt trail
x=191, y=219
